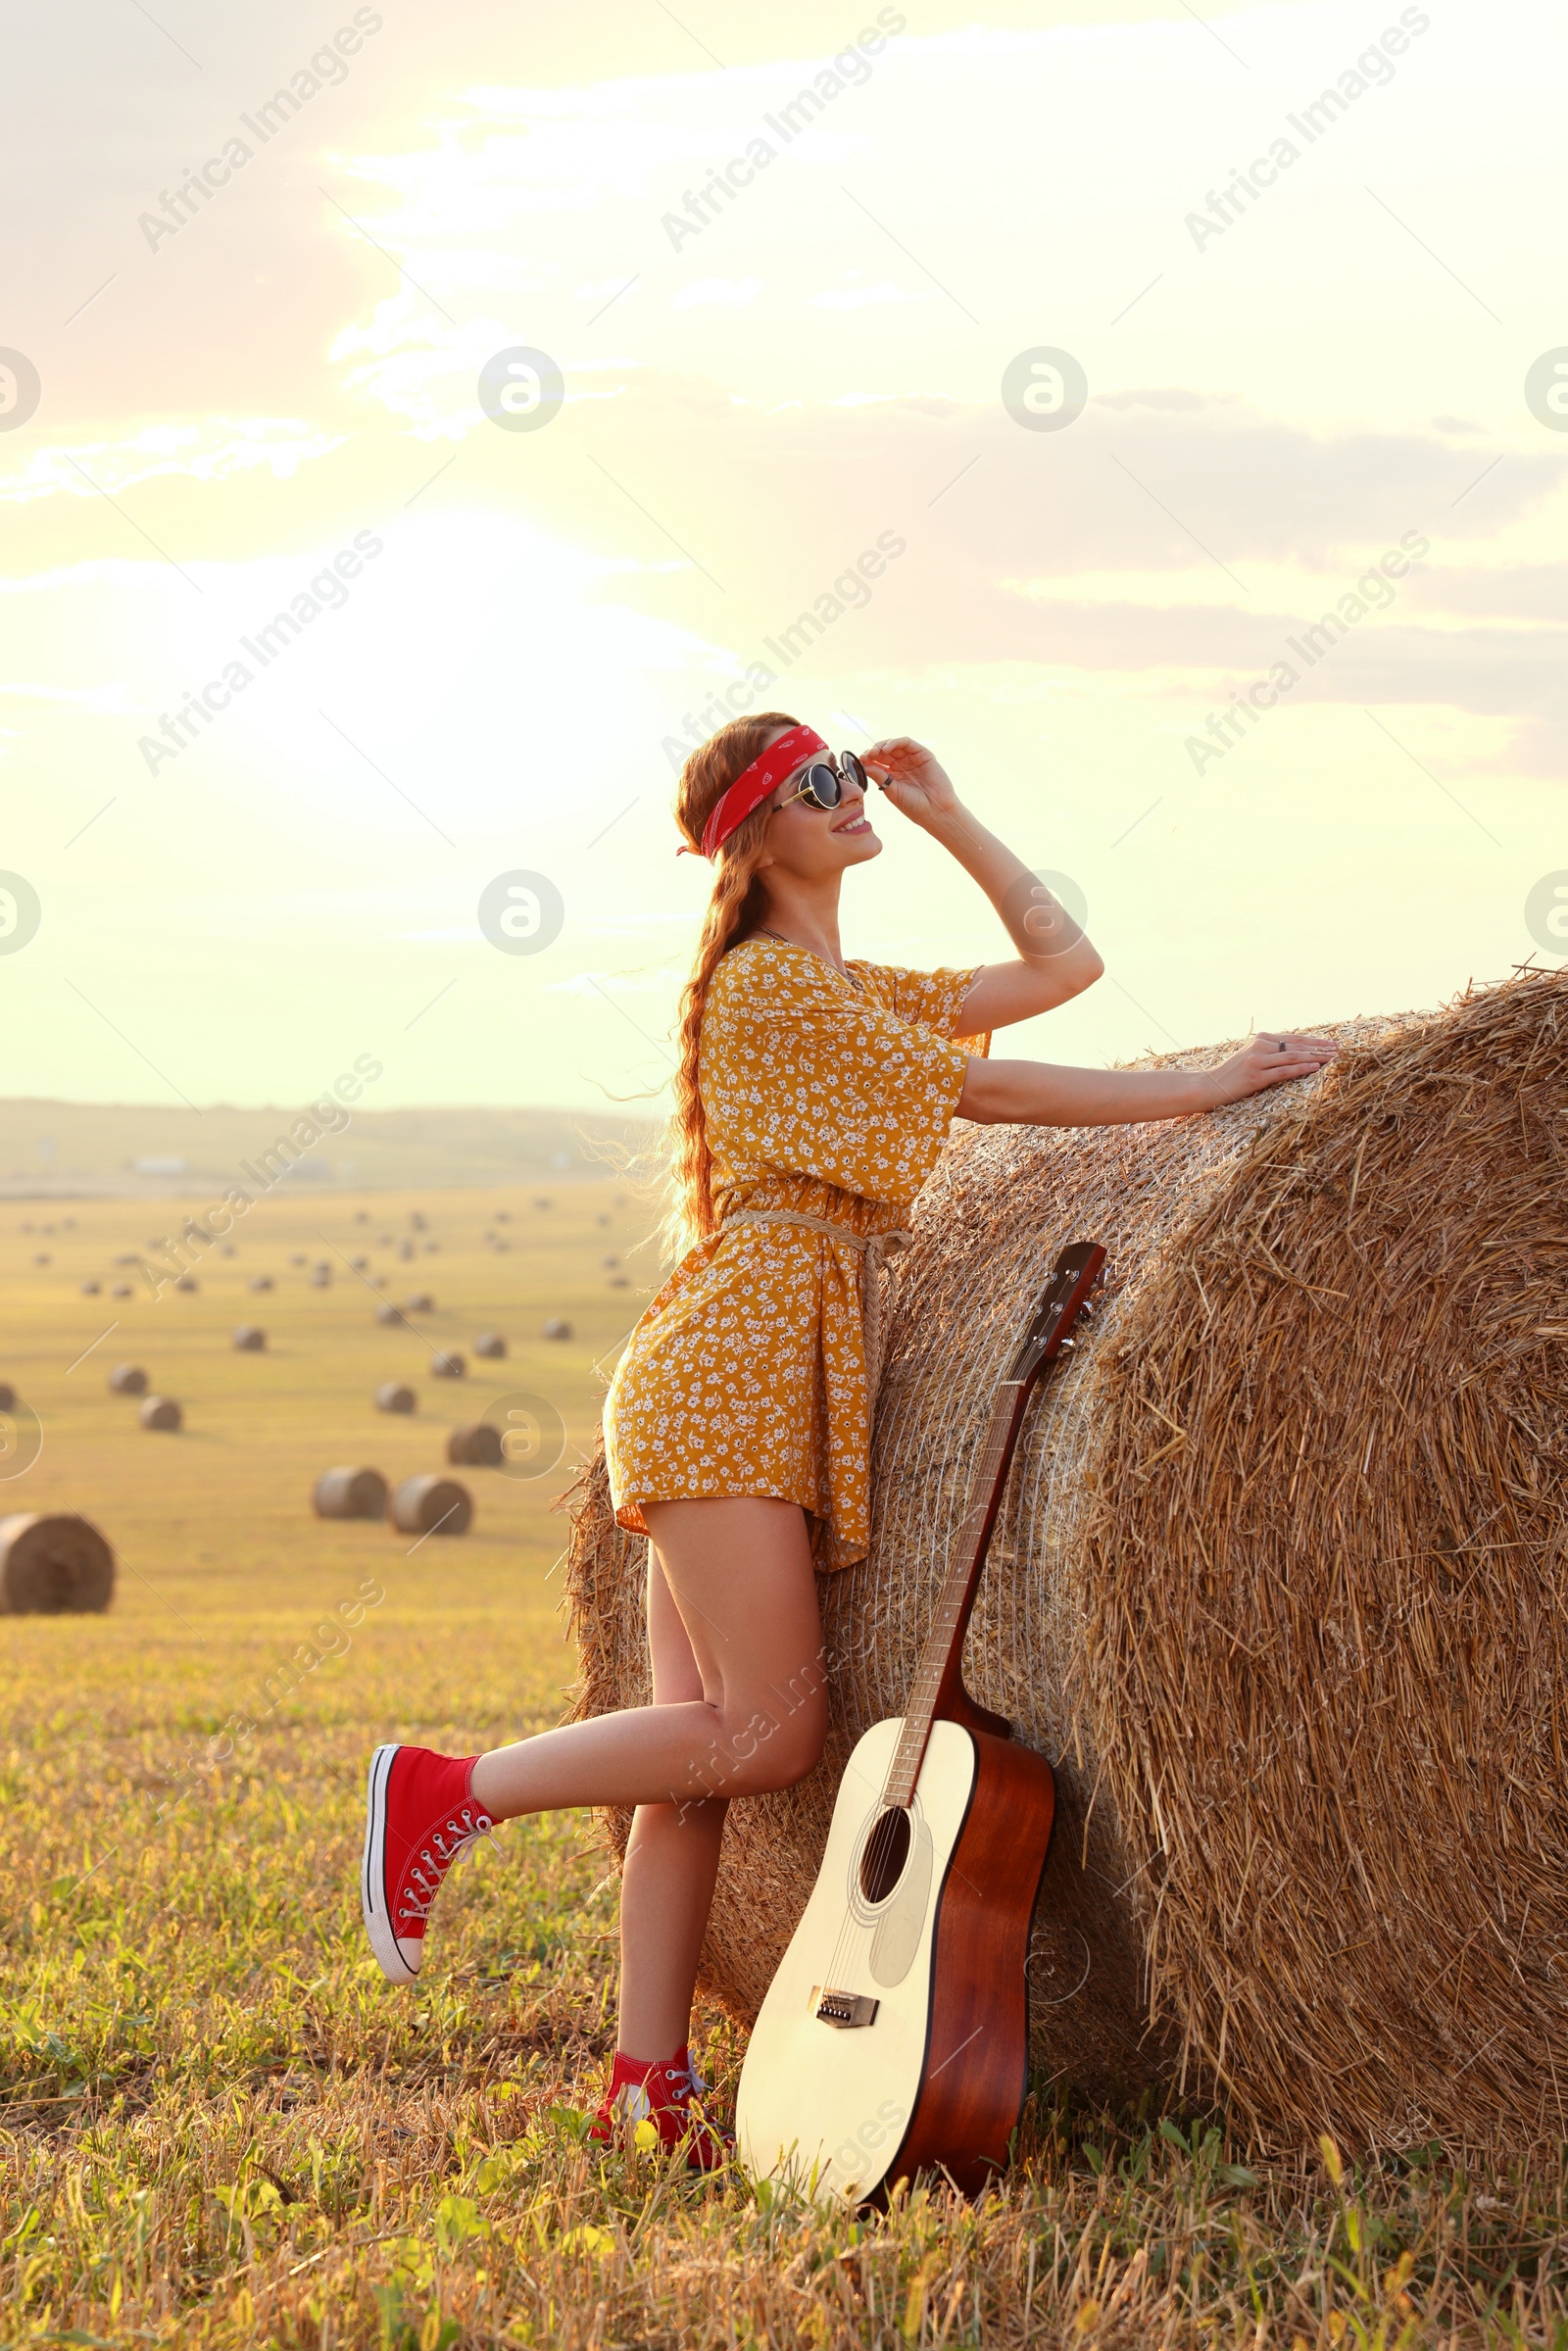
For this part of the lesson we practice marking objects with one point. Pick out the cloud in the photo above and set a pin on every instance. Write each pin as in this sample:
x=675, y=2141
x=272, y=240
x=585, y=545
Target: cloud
x=210, y=451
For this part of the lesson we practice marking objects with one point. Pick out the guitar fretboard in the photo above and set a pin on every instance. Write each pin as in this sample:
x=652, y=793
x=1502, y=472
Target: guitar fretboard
x=947, y=1624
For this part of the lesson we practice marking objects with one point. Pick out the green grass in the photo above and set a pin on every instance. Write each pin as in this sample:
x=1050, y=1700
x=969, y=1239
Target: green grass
x=218, y=2126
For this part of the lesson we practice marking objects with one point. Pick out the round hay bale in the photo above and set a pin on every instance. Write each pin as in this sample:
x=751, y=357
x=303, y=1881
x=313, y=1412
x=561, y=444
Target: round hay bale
x=163, y=1413
x=120, y=1289
x=259, y=1282
x=558, y=1327
x=53, y=1564
x=390, y=1313
x=1278, y=1584
x=349, y=1493
x=476, y=1447
x=393, y=1396
x=8, y=1395
x=421, y=1302
x=91, y=1289
x=127, y=1379
x=490, y=1347
x=250, y=1339
x=447, y=1367
x=430, y=1505
x=321, y=1277
x=187, y=1282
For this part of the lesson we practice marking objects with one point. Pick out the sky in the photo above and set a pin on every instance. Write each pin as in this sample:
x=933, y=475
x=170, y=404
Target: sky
x=1062, y=366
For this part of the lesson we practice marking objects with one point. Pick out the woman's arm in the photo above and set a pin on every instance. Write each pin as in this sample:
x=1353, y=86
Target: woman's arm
x=1036, y=1093
x=1055, y=960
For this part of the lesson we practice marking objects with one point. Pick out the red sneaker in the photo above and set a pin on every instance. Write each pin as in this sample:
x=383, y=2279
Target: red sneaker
x=667, y=2093
x=419, y=1816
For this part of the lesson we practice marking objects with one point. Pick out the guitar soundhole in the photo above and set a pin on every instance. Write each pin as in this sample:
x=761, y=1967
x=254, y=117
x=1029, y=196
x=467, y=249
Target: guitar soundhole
x=887, y=1849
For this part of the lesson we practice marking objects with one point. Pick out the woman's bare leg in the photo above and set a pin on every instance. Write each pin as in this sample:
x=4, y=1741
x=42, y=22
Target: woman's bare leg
x=740, y=1574
x=667, y=1885
x=740, y=1706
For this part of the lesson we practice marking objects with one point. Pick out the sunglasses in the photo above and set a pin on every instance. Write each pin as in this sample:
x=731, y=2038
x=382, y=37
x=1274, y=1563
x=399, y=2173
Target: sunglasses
x=822, y=784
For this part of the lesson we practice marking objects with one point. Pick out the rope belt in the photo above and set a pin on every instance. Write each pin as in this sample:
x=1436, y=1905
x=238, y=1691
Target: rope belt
x=876, y=1253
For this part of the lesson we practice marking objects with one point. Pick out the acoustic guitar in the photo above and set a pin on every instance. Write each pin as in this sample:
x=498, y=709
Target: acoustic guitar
x=893, y=2038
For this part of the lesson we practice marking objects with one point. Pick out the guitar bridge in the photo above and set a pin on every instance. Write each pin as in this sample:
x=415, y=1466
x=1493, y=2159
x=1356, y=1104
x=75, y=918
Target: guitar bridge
x=843, y=2009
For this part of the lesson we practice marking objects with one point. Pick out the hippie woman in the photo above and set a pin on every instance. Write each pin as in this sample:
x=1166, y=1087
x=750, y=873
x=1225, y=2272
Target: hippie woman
x=813, y=1097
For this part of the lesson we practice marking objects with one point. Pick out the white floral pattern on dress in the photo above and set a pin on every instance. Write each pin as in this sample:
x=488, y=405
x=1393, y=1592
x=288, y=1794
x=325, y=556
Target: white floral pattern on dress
x=747, y=1374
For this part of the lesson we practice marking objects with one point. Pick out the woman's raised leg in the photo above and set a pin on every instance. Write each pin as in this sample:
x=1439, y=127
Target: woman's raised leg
x=750, y=1716
x=739, y=1571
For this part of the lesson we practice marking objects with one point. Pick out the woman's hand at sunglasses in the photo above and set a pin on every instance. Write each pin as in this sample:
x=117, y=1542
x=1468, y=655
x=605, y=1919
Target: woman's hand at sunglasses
x=913, y=780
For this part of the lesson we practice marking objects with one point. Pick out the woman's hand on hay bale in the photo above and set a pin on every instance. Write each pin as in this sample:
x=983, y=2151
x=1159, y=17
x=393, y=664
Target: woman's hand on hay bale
x=1268, y=1059
x=1040, y=1094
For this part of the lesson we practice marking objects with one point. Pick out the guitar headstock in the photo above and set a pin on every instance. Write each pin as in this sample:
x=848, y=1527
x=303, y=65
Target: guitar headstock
x=1077, y=1271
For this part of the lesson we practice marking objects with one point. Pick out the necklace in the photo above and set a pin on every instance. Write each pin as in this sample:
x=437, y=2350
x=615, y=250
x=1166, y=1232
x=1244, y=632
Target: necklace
x=763, y=932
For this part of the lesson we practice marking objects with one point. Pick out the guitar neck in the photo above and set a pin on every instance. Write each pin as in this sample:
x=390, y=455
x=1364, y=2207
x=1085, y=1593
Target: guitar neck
x=936, y=1676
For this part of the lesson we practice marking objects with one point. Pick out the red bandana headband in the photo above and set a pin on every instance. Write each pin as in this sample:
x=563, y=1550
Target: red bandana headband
x=750, y=789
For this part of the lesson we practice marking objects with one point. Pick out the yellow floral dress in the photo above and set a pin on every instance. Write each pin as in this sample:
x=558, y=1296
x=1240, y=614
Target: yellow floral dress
x=827, y=1096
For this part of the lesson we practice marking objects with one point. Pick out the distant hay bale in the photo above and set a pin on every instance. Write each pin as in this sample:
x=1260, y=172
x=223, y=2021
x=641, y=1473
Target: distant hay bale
x=421, y=1302
x=475, y=1448
x=393, y=1396
x=389, y=1313
x=349, y=1493
x=259, y=1282
x=121, y=1289
x=188, y=1283
x=127, y=1379
x=91, y=1289
x=1279, y=1585
x=163, y=1413
x=490, y=1347
x=321, y=1277
x=558, y=1327
x=8, y=1397
x=53, y=1564
x=448, y=1366
x=250, y=1339
x=430, y=1505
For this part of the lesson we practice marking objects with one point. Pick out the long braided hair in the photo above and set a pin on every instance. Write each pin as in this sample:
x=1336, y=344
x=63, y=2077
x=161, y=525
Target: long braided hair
x=735, y=908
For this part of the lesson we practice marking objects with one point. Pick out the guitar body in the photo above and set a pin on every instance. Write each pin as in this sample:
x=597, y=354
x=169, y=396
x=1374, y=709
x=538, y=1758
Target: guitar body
x=932, y=1940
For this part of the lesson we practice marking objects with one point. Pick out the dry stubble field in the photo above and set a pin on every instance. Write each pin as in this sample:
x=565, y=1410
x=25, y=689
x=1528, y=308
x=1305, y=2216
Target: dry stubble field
x=218, y=2126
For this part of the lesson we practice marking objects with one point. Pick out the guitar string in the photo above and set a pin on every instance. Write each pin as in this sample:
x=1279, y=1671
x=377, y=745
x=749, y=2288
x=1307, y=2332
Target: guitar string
x=932, y=1664
x=935, y=1650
